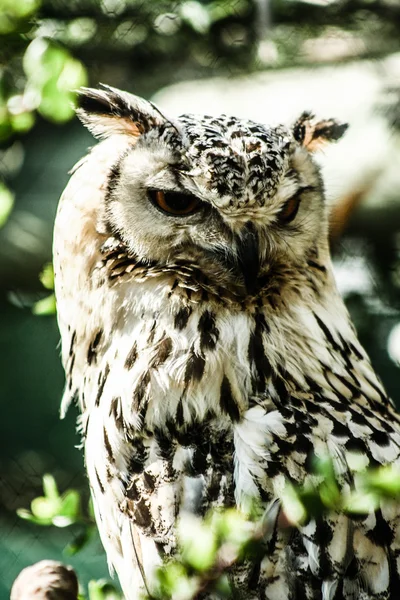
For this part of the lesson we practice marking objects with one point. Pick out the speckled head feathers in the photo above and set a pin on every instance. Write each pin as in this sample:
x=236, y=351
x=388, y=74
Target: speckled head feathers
x=239, y=160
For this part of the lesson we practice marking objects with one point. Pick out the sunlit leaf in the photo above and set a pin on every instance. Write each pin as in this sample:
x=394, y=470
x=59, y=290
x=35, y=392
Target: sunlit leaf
x=45, y=508
x=361, y=503
x=72, y=76
x=13, y=12
x=45, y=307
x=43, y=61
x=55, y=105
x=169, y=576
x=47, y=276
x=292, y=505
x=232, y=526
x=28, y=516
x=385, y=481
x=71, y=505
x=6, y=203
x=102, y=590
x=198, y=543
x=50, y=487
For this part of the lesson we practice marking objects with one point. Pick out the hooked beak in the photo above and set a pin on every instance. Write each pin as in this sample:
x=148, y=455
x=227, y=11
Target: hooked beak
x=247, y=261
x=242, y=259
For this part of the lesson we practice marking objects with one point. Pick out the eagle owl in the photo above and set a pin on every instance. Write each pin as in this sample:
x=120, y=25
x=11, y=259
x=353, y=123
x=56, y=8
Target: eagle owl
x=207, y=346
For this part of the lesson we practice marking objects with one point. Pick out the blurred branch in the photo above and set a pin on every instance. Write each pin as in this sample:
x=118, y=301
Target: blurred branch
x=283, y=11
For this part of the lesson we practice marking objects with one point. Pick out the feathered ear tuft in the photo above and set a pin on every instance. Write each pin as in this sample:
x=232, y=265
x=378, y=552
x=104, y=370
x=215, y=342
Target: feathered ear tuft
x=313, y=134
x=110, y=111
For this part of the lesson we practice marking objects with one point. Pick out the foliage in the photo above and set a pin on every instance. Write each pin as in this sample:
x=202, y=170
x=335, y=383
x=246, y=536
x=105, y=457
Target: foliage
x=47, y=305
x=61, y=510
x=6, y=203
x=209, y=547
x=64, y=510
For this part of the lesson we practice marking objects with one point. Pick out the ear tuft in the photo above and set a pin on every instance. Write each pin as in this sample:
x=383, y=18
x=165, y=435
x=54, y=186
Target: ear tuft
x=313, y=134
x=110, y=111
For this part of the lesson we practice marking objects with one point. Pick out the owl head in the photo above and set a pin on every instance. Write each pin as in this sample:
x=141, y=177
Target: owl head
x=229, y=198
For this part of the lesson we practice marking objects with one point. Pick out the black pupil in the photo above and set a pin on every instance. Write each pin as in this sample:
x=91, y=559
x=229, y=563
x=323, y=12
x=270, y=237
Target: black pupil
x=177, y=202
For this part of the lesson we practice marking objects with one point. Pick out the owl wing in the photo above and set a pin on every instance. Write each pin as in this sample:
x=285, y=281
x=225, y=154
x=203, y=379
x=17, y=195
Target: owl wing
x=338, y=556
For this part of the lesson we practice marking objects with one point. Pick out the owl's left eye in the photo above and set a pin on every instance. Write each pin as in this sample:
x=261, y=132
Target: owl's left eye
x=174, y=203
x=289, y=210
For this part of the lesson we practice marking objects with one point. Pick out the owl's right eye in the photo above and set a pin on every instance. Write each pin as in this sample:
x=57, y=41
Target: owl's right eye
x=175, y=203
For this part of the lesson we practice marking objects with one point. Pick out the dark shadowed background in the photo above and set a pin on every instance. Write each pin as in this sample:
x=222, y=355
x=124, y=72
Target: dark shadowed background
x=267, y=60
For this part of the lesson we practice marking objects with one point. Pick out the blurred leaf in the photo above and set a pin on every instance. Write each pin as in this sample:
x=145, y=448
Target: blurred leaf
x=47, y=276
x=80, y=541
x=232, y=526
x=292, y=505
x=28, y=516
x=102, y=590
x=43, y=61
x=72, y=76
x=197, y=542
x=69, y=511
x=384, y=481
x=329, y=491
x=22, y=122
x=171, y=577
x=6, y=203
x=45, y=307
x=53, y=75
x=12, y=12
x=361, y=503
x=45, y=509
x=223, y=587
x=50, y=487
x=55, y=105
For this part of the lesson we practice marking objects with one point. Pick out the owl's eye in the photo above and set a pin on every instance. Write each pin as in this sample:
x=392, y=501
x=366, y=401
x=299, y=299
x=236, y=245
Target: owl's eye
x=289, y=210
x=175, y=203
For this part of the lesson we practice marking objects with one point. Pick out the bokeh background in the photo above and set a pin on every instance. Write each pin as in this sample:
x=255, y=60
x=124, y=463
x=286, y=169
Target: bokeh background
x=263, y=59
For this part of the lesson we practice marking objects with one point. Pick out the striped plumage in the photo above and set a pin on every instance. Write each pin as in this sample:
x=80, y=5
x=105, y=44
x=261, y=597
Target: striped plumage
x=208, y=348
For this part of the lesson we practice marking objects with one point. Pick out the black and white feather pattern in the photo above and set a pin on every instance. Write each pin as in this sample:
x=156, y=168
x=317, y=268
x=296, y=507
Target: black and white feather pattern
x=200, y=386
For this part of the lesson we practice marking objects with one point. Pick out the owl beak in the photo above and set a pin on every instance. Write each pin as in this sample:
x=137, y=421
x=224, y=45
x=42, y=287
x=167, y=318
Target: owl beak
x=246, y=245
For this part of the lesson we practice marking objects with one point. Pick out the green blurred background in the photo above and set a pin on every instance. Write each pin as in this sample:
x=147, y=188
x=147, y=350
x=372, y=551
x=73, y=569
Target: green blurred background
x=267, y=60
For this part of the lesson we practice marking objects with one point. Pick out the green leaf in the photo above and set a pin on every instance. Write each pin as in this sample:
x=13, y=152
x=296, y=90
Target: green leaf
x=72, y=77
x=50, y=487
x=46, y=276
x=80, y=541
x=384, y=481
x=43, y=61
x=169, y=578
x=232, y=526
x=6, y=203
x=44, y=307
x=28, y=516
x=70, y=506
x=55, y=105
x=45, y=509
x=361, y=503
x=293, y=506
x=223, y=587
x=22, y=122
x=198, y=543
x=14, y=12
x=102, y=590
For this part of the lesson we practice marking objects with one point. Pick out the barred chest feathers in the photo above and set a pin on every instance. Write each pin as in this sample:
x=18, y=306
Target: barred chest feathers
x=207, y=346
